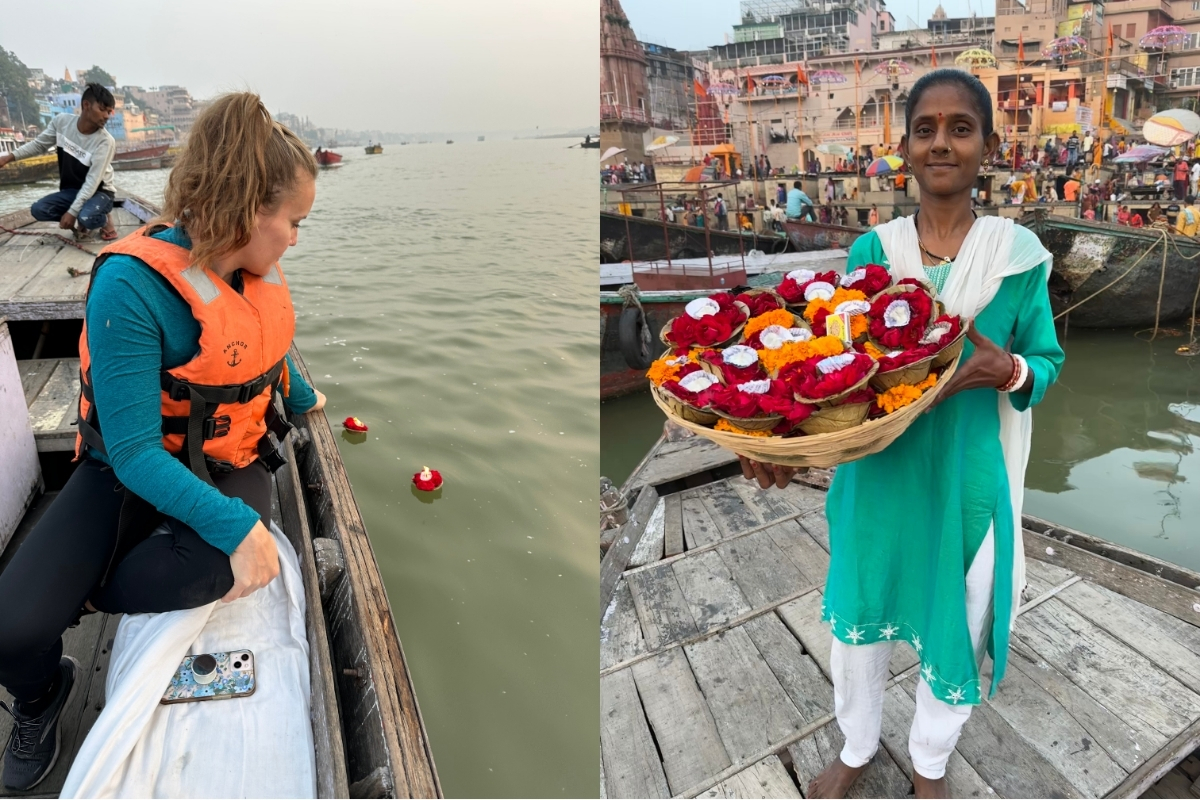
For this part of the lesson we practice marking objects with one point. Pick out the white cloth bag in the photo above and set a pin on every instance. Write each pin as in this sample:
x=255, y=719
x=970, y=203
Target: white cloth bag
x=991, y=252
x=256, y=746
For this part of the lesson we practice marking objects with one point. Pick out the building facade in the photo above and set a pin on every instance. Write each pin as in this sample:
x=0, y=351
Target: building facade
x=624, y=94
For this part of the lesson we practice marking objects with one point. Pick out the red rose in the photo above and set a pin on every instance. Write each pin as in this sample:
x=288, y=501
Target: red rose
x=758, y=303
x=903, y=359
x=874, y=281
x=818, y=321
x=808, y=382
x=955, y=323
x=790, y=291
x=905, y=337
x=689, y=368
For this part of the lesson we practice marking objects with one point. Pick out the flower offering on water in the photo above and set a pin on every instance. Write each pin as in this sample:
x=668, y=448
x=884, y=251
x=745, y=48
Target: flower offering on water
x=427, y=480
x=354, y=424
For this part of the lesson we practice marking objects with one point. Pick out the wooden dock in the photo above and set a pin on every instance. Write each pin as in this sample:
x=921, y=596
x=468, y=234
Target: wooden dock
x=714, y=665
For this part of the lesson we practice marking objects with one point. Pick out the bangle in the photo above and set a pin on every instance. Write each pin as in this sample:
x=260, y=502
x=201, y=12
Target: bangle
x=1020, y=373
x=1012, y=378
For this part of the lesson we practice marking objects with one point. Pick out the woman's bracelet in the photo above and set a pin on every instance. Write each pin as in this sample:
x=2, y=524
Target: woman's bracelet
x=1020, y=374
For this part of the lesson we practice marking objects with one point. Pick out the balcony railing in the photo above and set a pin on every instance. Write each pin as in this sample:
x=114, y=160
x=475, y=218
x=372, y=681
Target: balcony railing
x=608, y=111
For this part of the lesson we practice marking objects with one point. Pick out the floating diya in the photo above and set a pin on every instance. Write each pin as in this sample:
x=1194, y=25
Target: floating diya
x=427, y=480
x=354, y=424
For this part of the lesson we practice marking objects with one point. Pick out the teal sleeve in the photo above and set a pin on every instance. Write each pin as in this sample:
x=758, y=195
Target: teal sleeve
x=1034, y=336
x=867, y=249
x=300, y=397
x=129, y=317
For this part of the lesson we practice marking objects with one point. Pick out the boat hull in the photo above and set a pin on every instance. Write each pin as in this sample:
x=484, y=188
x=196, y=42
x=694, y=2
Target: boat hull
x=808, y=236
x=327, y=158
x=153, y=162
x=374, y=150
x=681, y=241
x=1090, y=255
x=616, y=376
x=144, y=152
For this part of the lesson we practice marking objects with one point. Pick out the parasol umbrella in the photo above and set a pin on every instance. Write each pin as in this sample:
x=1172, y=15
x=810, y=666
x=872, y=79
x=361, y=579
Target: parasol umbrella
x=661, y=142
x=772, y=79
x=612, y=151
x=1141, y=154
x=1168, y=129
x=1064, y=46
x=884, y=165
x=722, y=89
x=975, y=57
x=893, y=66
x=833, y=150
x=827, y=76
x=1163, y=36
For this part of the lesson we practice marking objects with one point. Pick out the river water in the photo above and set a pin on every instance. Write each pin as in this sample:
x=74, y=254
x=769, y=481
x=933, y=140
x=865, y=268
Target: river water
x=446, y=296
x=1115, y=443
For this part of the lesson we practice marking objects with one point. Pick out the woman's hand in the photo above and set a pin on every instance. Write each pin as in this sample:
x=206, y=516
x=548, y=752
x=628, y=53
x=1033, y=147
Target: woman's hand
x=988, y=367
x=255, y=563
x=767, y=474
x=320, y=404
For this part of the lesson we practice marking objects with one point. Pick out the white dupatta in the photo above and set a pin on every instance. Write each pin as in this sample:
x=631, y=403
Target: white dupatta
x=991, y=252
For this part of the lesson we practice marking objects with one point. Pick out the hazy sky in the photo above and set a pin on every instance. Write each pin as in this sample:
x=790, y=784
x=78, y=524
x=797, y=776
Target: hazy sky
x=400, y=65
x=697, y=24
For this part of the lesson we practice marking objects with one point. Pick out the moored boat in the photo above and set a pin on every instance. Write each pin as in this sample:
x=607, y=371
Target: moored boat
x=29, y=170
x=141, y=152
x=373, y=149
x=623, y=236
x=805, y=236
x=150, y=162
x=1088, y=256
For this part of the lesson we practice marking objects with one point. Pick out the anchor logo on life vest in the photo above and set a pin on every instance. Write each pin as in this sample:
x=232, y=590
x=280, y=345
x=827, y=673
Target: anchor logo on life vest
x=234, y=350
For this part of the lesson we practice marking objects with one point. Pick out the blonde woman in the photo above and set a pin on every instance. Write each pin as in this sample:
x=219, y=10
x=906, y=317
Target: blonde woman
x=183, y=350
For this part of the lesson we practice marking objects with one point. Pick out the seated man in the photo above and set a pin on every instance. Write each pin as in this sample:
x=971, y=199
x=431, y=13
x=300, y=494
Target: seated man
x=85, y=176
x=799, y=205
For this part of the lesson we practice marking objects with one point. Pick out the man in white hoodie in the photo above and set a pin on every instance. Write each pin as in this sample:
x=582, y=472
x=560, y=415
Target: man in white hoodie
x=85, y=175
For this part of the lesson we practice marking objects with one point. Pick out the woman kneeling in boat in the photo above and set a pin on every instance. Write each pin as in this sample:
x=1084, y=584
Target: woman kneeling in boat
x=925, y=537
x=183, y=350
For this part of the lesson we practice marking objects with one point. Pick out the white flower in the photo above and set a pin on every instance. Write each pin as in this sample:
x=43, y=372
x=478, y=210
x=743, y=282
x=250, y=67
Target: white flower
x=853, y=277
x=889, y=631
x=834, y=363
x=755, y=387
x=853, y=307
x=701, y=307
x=898, y=314
x=802, y=276
x=740, y=355
x=936, y=333
x=698, y=381
x=774, y=337
x=801, y=334
x=818, y=289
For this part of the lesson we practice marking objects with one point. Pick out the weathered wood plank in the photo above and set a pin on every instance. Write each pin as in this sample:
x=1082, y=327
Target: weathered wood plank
x=672, y=525
x=53, y=412
x=671, y=466
x=1160, y=764
x=53, y=282
x=769, y=505
x=802, y=550
x=712, y=595
x=810, y=691
x=661, y=606
x=688, y=742
x=617, y=558
x=817, y=526
x=761, y=569
x=698, y=526
x=620, y=632
x=729, y=511
x=802, y=616
x=94, y=691
x=767, y=778
x=903, y=657
x=898, y=709
x=749, y=706
x=803, y=498
x=1122, y=680
x=631, y=763
x=1042, y=576
x=881, y=778
x=19, y=265
x=34, y=374
x=650, y=547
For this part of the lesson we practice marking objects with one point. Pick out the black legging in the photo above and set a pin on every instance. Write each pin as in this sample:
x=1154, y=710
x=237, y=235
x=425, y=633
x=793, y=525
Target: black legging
x=66, y=556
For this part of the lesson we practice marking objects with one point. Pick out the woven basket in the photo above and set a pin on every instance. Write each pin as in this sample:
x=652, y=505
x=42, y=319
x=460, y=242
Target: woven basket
x=833, y=400
x=751, y=423
x=838, y=418
x=680, y=410
x=953, y=350
x=825, y=450
x=912, y=373
x=736, y=336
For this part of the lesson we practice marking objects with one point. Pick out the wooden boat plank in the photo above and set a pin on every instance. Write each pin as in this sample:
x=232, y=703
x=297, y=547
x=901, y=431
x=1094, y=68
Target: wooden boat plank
x=625, y=541
x=802, y=497
x=631, y=763
x=332, y=780
x=729, y=511
x=121, y=217
x=661, y=606
x=34, y=374
x=1160, y=763
x=751, y=708
x=620, y=631
x=767, y=778
x=684, y=729
x=650, y=547
x=881, y=778
x=761, y=569
x=710, y=590
x=802, y=616
x=53, y=412
x=817, y=526
x=898, y=709
x=53, y=283
x=1179, y=601
x=798, y=674
x=675, y=465
x=1042, y=576
x=801, y=550
x=1119, y=678
x=672, y=525
x=97, y=681
x=698, y=526
x=33, y=227
x=769, y=505
x=19, y=266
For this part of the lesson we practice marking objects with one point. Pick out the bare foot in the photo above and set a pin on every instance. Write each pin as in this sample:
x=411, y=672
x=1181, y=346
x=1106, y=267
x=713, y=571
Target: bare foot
x=929, y=787
x=834, y=780
x=88, y=605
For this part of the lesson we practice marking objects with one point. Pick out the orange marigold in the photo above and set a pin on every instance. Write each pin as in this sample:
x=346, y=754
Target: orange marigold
x=873, y=351
x=661, y=371
x=780, y=316
x=905, y=394
x=729, y=427
x=840, y=296
x=775, y=360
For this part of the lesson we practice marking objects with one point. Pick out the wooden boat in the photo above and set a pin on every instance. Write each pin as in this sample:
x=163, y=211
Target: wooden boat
x=1090, y=255
x=714, y=664
x=806, y=236
x=327, y=158
x=373, y=149
x=479, y=139
x=141, y=152
x=449, y=141
x=589, y=143
x=685, y=241
x=29, y=170
x=369, y=738
x=150, y=162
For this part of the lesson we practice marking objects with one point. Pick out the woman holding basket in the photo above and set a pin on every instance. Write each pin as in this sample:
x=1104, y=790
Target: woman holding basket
x=925, y=536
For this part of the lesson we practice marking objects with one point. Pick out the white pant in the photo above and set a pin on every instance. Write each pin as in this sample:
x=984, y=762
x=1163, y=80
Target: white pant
x=860, y=673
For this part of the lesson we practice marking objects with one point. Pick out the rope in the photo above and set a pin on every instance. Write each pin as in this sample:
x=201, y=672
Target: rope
x=629, y=293
x=1116, y=280
x=48, y=235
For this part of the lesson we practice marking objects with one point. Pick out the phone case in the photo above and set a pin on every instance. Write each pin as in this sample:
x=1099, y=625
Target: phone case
x=235, y=678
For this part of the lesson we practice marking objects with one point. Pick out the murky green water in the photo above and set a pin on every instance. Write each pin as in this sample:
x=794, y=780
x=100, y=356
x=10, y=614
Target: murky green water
x=1114, y=443
x=446, y=296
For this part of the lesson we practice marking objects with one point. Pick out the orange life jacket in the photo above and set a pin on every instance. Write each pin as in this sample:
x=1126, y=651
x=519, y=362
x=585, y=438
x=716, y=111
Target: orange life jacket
x=218, y=409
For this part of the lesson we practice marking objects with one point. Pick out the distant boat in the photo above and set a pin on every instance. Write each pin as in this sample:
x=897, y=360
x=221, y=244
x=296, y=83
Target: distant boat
x=480, y=139
x=327, y=158
x=144, y=152
x=449, y=141
x=374, y=149
x=589, y=142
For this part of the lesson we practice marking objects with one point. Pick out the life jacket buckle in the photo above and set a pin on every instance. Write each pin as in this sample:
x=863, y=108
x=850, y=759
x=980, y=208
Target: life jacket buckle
x=216, y=427
x=215, y=465
x=250, y=390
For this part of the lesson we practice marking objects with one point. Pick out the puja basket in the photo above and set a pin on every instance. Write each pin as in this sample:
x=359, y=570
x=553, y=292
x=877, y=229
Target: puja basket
x=733, y=337
x=679, y=410
x=823, y=450
x=912, y=373
x=838, y=418
x=765, y=290
x=751, y=423
x=953, y=350
x=834, y=399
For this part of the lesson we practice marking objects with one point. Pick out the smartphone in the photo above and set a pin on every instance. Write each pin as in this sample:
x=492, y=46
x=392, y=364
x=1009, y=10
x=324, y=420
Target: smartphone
x=212, y=676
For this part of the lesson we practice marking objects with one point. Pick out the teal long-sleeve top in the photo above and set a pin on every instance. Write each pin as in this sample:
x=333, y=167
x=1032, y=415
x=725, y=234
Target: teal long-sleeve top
x=138, y=325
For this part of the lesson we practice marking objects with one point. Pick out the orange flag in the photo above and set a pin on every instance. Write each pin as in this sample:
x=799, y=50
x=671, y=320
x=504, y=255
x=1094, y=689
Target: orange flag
x=932, y=57
x=1110, y=39
x=1020, y=47
x=801, y=78
x=749, y=84
x=699, y=89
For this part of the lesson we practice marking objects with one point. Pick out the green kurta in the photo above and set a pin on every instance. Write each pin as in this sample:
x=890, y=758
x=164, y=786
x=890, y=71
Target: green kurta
x=905, y=524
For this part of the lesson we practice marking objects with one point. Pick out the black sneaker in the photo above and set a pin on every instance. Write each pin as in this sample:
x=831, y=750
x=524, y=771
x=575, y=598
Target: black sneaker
x=33, y=744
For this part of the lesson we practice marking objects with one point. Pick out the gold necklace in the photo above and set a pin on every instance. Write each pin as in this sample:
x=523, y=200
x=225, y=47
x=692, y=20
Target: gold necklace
x=943, y=261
